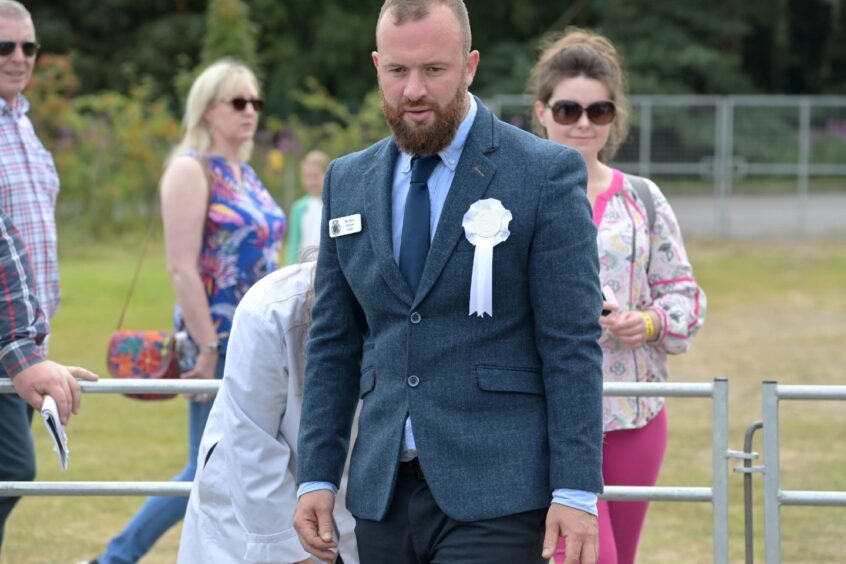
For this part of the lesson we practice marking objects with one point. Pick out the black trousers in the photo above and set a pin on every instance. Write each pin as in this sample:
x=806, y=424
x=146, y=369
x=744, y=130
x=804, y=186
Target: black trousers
x=17, y=454
x=416, y=531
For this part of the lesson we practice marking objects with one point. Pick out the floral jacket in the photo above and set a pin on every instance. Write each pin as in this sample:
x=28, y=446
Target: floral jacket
x=646, y=271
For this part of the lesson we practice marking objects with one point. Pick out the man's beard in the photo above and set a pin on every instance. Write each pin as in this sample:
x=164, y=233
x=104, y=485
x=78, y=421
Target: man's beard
x=428, y=139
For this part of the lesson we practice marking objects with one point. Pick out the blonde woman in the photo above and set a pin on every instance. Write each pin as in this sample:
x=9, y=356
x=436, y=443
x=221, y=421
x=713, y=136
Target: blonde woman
x=223, y=233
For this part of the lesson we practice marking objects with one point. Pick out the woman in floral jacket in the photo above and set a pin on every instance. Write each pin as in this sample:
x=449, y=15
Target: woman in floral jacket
x=655, y=304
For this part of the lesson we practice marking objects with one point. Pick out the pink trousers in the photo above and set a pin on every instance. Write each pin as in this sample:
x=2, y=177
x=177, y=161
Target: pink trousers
x=631, y=457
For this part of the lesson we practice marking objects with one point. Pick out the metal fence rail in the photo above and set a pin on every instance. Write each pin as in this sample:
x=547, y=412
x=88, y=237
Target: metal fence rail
x=774, y=496
x=743, y=147
x=717, y=494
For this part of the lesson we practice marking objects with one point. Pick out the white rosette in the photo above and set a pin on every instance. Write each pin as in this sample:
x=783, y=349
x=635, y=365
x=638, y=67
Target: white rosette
x=486, y=226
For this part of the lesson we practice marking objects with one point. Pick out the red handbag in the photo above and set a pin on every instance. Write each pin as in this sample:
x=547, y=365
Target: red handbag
x=143, y=354
x=149, y=355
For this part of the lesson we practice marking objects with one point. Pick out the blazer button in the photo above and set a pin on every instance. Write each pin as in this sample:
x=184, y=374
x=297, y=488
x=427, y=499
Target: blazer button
x=413, y=381
x=415, y=318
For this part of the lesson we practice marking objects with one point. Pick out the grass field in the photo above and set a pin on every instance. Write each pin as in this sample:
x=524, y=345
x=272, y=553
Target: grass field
x=776, y=312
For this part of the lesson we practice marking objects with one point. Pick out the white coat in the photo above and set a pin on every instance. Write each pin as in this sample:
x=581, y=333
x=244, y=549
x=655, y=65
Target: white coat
x=244, y=494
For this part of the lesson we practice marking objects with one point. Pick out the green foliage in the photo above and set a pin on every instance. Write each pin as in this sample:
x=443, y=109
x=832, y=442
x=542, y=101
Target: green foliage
x=340, y=131
x=229, y=33
x=108, y=148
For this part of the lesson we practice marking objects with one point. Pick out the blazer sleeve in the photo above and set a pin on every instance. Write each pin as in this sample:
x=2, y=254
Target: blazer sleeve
x=566, y=303
x=22, y=324
x=333, y=363
x=676, y=295
x=258, y=460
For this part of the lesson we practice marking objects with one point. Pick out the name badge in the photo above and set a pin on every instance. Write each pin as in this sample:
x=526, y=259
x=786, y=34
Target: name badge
x=346, y=225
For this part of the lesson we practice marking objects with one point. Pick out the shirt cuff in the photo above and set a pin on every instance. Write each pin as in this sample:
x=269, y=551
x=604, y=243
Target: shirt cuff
x=308, y=487
x=577, y=499
x=19, y=356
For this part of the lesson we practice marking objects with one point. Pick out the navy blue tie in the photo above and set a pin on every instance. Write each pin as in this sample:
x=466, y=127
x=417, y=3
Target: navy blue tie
x=415, y=223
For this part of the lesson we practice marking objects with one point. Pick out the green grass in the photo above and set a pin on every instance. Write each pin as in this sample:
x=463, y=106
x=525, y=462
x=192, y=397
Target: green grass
x=776, y=312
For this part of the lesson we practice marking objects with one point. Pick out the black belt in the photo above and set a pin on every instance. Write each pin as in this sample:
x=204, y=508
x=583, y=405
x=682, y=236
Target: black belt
x=412, y=468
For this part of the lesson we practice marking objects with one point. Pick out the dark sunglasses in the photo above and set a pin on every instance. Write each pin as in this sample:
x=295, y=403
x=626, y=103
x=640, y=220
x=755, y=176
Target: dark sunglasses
x=240, y=104
x=29, y=48
x=567, y=112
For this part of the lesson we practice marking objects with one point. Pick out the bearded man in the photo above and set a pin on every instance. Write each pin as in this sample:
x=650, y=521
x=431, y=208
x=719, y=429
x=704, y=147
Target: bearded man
x=479, y=435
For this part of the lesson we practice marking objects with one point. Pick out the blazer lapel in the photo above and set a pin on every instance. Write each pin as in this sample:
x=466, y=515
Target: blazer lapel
x=472, y=177
x=379, y=180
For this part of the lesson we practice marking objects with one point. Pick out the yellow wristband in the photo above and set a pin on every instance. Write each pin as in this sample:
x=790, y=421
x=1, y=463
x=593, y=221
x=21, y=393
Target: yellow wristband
x=650, y=326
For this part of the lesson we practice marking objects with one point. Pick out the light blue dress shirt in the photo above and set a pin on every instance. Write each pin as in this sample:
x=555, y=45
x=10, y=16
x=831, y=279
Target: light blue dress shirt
x=439, y=185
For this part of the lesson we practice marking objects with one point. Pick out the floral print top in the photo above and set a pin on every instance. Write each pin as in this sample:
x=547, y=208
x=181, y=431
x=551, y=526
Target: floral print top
x=645, y=270
x=242, y=241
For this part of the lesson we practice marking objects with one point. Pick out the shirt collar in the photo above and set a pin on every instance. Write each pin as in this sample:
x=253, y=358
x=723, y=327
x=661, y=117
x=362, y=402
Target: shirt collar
x=18, y=107
x=451, y=154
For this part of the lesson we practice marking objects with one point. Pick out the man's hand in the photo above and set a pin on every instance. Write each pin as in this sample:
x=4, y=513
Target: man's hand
x=579, y=531
x=59, y=381
x=314, y=525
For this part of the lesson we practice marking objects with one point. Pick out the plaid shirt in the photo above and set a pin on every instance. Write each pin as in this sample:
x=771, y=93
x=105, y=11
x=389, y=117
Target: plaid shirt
x=28, y=189
x=22, y=323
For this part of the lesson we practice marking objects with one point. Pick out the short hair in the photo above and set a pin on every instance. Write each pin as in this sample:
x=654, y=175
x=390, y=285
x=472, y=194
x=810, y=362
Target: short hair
x=579, y=52
x=13, y=10
x=215, y=82
x=316, y=157
x=416, y=10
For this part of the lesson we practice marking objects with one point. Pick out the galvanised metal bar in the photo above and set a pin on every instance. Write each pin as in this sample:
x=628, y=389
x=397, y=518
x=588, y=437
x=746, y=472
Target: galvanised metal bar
x=667, y=389
x=818, y=498
x=655, y=493
x=772, y=507
x=803, y=160
x=748, y=470
x=645, y=138
x=94, y=488
x=136, y=385
x=719, y=470
x=718, y=495
x=612, y=493
x=811, y=392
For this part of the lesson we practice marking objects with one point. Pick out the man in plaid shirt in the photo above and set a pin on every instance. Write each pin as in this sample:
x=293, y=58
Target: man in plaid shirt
x=28, y=188
x=22, y=329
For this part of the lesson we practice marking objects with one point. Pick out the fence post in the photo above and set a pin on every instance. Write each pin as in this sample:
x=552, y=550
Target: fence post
x=772, y=478
x=803, y=162
x=720, y=470
x=723, y=165
x=645, y=141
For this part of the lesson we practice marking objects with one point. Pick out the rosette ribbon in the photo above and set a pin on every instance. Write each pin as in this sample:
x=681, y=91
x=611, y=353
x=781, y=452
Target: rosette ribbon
x=485, y=226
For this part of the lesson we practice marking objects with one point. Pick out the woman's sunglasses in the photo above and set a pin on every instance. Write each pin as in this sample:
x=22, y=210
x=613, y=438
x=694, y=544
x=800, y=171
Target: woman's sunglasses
x=567, y=112
x=240, y=104
x=29, y=48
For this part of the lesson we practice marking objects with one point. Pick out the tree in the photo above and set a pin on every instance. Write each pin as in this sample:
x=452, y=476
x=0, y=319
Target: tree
x=229, y=33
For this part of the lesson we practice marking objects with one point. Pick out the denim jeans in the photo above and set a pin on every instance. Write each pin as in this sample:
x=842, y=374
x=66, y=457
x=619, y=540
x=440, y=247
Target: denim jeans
x=158, y=514
x=17, y=455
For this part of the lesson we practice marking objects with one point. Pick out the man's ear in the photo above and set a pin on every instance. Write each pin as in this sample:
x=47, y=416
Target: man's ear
x=471, y=66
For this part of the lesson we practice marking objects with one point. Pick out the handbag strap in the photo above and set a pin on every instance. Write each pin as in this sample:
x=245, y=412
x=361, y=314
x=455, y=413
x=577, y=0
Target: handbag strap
x=151, y=224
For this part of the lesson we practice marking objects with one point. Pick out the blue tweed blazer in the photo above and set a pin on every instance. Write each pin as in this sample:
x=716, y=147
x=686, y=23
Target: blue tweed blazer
x=507, y=407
